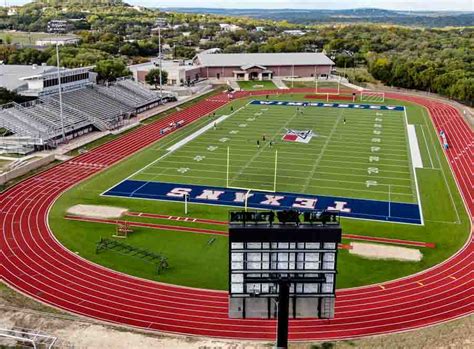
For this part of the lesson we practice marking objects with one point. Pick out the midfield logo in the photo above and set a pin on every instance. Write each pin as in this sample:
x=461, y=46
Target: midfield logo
x=303, y=136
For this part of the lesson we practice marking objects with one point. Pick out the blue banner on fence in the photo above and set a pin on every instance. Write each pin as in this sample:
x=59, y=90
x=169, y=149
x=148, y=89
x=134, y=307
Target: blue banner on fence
x=330, y=105
x=349, y=207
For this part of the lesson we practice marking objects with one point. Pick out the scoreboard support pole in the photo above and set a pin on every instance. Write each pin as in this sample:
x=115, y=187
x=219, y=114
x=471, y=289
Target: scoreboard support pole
x=283, y=305
x=275, y=176
x=227, y=167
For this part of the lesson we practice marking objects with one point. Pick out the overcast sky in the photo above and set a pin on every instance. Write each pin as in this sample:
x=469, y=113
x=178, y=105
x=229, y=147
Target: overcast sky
x=433, y=5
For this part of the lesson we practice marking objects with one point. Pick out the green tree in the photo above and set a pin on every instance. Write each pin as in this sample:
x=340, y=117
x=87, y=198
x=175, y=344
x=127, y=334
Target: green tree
x=153, y=77
x=111, y=69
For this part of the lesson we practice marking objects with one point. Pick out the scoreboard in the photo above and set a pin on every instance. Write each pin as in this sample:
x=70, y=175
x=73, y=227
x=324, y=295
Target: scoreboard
x=263, y=253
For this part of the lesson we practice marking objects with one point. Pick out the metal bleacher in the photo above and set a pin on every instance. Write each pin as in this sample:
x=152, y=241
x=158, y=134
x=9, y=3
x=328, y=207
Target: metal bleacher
x=85, y=108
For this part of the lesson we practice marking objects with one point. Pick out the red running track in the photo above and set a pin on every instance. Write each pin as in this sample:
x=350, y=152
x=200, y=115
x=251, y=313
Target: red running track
x=35, y=263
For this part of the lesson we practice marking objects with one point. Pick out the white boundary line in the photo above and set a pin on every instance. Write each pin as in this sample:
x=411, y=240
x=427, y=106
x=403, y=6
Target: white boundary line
x=420, y=208
x=426, y=145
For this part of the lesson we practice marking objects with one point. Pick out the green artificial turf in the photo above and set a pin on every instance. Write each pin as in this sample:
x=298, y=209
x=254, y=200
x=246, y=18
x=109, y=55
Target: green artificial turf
x=195, y=262
x=256, y=85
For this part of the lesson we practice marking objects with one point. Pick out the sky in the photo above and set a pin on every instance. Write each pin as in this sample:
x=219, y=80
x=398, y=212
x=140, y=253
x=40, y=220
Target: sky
x=431, y=5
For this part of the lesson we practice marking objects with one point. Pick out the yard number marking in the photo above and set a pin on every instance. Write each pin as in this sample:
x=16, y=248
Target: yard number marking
x=199, y=158
x=371, y=184
x=373, y=158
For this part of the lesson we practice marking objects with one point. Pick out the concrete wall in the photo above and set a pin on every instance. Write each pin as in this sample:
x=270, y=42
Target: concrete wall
x=30, y=166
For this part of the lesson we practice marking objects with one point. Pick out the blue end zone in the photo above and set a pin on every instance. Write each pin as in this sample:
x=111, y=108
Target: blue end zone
x=330, y=105
x=353, y=208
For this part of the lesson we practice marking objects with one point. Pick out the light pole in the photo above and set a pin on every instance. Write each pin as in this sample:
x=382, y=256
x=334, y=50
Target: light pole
x=160, y=22
x=60, y=94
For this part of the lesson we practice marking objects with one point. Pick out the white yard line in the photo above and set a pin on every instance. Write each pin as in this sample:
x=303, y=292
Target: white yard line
x=321, y=153
x=166, y=154
x=426, y=145
x=404, y=161
x=261, y=169
x=262, y=148
x=381, y=192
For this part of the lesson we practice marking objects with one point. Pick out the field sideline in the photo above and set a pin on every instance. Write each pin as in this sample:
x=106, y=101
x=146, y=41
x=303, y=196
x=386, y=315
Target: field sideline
x=446, y=223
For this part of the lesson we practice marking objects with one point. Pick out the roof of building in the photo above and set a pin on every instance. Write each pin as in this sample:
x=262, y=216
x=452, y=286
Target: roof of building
x=11, y=74
x=59, y=38
x=264, y=59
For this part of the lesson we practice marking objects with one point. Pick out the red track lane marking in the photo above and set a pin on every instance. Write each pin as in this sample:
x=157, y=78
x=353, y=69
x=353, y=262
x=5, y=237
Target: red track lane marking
x=63, y=279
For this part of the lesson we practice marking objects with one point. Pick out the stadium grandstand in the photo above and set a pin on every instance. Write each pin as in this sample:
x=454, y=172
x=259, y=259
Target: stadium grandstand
x=84, y=106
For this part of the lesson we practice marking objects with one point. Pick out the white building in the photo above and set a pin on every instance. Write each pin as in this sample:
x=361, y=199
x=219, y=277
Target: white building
x=12, y=11
x=229, y=27
x=39, y=80
x=62, y=40
x=295, y=32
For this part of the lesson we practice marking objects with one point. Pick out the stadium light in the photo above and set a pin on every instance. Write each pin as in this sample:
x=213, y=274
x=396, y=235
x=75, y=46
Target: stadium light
x=61, y=116
x=269, y=263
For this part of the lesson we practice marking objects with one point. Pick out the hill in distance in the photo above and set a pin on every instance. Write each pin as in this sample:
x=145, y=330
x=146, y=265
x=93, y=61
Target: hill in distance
x=361, y=15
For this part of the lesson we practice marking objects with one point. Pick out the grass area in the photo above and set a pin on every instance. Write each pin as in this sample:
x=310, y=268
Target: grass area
x=256, y=85
x=25, y=38
x=446, y=222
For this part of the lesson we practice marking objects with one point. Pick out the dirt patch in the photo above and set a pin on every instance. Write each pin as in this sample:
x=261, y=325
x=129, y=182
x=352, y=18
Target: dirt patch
x=73, y=331
x=96, y=211
x=379, y=251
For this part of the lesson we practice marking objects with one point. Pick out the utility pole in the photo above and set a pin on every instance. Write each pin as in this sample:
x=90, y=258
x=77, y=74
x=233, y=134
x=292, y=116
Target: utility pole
x=61, y=116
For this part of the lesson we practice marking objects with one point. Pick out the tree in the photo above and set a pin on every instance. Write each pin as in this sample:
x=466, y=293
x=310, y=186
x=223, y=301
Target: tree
x=153, y=77
x=129, y=49
x=111, y=69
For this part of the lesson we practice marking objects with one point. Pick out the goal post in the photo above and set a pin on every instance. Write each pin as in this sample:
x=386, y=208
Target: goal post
x=372, y=96
x=250, y=188
x=317, y=90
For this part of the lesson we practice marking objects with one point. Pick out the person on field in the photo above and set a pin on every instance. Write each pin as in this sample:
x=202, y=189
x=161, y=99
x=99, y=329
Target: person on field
x=258, y=143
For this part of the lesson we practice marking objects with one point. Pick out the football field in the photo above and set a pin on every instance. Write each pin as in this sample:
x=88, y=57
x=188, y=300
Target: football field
x=358, y=153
